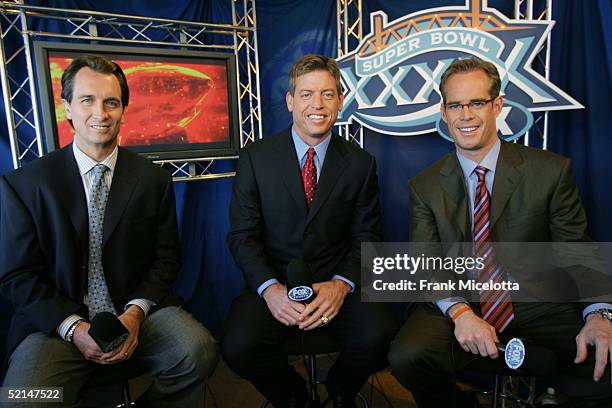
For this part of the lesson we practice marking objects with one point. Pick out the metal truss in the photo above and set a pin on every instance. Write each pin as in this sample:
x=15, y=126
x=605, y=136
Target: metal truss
x=245, y=44
x=87, y=26
x=514, y=391
x=541, y=10
x=349, y=33
x=196, y=169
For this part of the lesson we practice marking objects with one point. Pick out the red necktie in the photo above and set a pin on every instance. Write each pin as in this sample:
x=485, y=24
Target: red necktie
x=495, y=305
x=309, y=177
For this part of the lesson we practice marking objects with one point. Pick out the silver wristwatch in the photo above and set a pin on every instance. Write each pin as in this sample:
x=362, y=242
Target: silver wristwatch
x=605, y=313
x=72, y=329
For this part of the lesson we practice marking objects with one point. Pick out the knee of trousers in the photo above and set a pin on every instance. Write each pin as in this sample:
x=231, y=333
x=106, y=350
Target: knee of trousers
x=197, y=355
x=373, y=339
x=240, y=351
x=407, y=360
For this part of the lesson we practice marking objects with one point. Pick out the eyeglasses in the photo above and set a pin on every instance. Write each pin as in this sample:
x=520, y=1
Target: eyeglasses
x=474, y=105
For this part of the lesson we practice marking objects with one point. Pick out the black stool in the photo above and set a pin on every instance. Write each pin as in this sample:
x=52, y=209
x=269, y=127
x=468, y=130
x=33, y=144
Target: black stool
x=309, y=344
x=116, y=374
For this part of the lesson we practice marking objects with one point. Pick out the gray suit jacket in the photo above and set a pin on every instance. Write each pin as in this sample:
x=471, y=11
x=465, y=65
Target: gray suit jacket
x=534, y=199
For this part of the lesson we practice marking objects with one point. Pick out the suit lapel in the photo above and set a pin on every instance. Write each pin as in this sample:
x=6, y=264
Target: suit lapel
x=290, y=169
x=507, y=178
x=333, y=167
x=453, y=183
x=121, y=190
x=73, y=196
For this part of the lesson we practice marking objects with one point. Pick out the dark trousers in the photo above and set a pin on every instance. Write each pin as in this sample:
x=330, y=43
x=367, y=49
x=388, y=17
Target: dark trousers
x=252, y=341
x=425, y=356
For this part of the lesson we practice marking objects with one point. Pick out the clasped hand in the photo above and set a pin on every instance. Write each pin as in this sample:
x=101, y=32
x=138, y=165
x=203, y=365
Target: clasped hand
x=329, y=300
x=131, y=319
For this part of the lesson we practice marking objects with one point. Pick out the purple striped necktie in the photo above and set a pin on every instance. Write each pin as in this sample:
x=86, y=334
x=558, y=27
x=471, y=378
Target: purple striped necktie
x=495, y=305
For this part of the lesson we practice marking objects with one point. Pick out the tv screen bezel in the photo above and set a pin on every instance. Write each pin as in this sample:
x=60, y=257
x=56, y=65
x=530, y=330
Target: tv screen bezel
x=177, y=152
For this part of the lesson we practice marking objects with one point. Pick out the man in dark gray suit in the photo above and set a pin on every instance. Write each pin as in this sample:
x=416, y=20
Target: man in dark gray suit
x=92, y=228
x=491, y=191
x=305, y=194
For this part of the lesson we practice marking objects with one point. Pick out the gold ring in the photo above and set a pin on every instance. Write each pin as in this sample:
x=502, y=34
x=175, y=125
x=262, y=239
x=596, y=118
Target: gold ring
x=324, y=320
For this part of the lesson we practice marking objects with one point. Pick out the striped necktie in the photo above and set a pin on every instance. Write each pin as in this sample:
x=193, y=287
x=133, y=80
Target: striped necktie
x=495, y=305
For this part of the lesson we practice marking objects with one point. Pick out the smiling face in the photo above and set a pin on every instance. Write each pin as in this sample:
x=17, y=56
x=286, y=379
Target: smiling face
x=315, y=104
x=96, y=112
x=474, y=132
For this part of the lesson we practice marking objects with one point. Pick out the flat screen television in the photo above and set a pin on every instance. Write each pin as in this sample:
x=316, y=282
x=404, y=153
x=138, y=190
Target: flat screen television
x=183, y=104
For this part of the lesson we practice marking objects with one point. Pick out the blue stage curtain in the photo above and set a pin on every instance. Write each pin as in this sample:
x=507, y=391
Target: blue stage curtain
x=287, y=29
x=581, y=58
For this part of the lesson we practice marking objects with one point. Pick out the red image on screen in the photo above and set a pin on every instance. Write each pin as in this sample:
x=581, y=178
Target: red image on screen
x=171, y=103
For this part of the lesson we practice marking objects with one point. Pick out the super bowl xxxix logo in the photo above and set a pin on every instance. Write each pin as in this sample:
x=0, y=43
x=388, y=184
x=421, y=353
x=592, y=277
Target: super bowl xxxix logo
x=391, y=80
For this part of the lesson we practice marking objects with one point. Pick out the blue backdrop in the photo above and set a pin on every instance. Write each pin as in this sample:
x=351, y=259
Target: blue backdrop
x=581, y=65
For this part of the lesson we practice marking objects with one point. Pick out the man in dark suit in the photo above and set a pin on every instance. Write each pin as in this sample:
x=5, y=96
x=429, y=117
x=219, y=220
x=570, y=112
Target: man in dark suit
x=305, y=194
x=490, y=191
x=92, y=228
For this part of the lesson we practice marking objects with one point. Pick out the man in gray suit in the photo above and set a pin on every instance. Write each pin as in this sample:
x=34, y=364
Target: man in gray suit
x=491, y=191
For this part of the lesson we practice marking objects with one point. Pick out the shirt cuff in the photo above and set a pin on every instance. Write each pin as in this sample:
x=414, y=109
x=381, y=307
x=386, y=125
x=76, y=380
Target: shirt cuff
x=144, y=304
x=594, y=307
x=62, y=329
x=445, y=304
x=264, y=286
x=343, y=279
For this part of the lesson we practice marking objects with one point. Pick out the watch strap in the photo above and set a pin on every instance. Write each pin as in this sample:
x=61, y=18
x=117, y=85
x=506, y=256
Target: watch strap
x=72, y=329
x=605, y=313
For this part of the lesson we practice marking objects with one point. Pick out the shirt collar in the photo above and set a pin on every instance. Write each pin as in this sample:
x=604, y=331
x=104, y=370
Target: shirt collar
x=489, y=161
x=301, y=148
x=86, y=163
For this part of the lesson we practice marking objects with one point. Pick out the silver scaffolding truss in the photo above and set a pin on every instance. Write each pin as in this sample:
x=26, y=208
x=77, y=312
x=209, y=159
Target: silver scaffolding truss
x=18, y=84
x=350, y=34
x=525, y=9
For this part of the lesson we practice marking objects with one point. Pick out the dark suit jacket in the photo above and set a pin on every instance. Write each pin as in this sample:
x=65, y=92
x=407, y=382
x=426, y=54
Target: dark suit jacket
x=534, y=199
x=270, y=224
x=44, y=239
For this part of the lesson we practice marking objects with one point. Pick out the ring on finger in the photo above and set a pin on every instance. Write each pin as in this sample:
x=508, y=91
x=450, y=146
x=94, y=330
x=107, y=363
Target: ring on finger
x=324, y=320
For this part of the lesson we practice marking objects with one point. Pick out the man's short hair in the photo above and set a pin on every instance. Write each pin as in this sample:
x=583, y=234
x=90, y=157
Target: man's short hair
x=98, y=64
x=464, y=65
x=313, y=62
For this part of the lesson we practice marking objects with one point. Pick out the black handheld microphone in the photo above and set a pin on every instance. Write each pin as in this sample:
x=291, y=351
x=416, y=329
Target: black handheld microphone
x=523, y=356
x=108, y=331
x=299, y=282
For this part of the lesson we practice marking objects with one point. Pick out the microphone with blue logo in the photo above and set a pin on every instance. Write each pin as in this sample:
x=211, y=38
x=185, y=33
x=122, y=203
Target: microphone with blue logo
x=299, y=282
x=520, y=355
